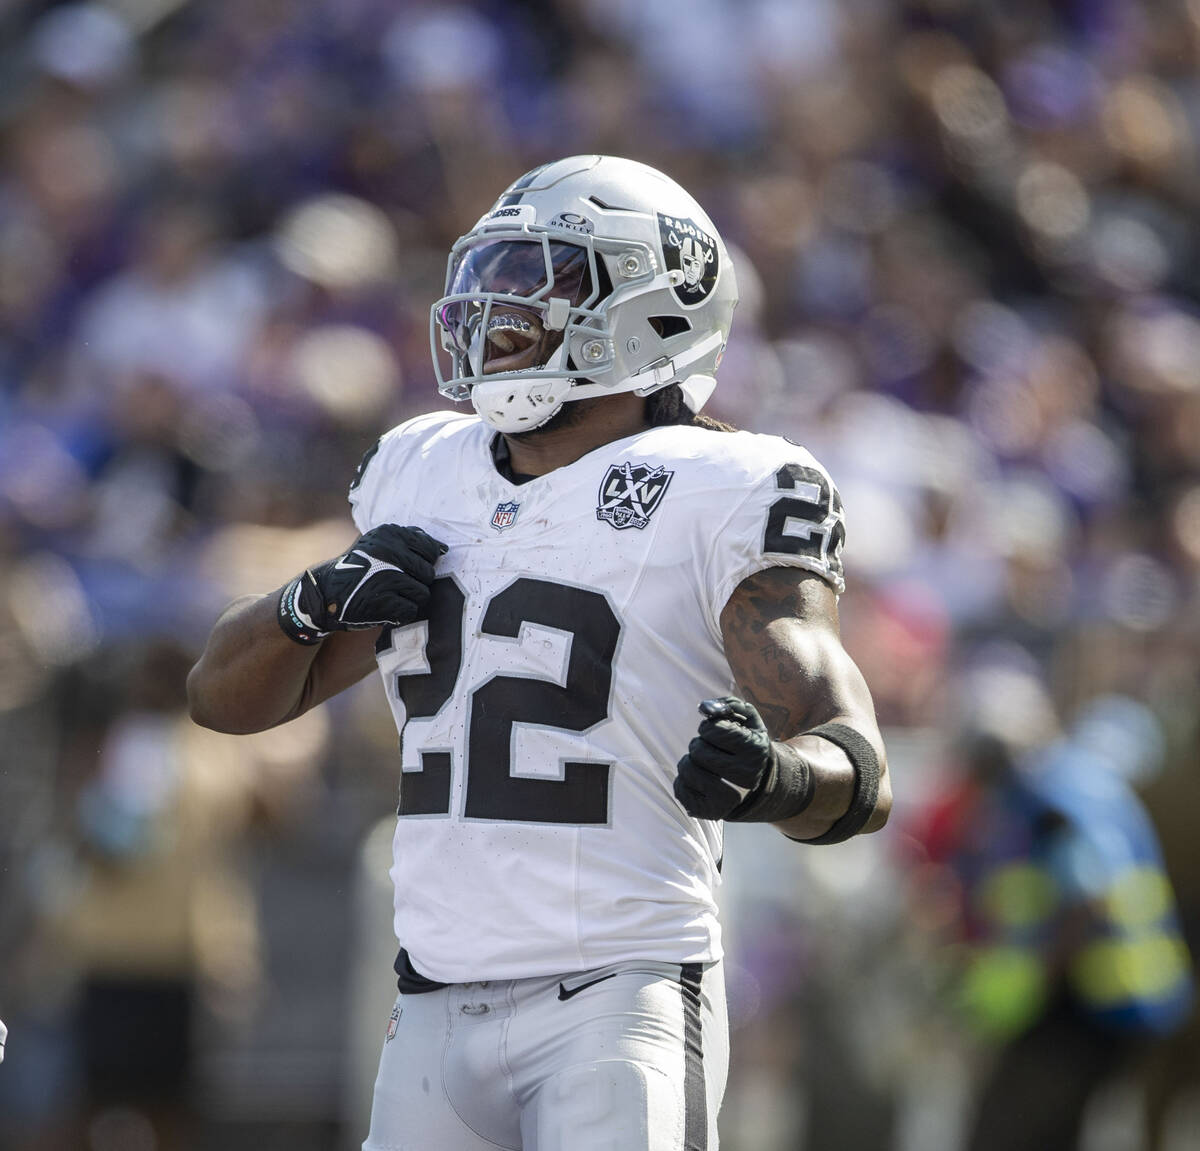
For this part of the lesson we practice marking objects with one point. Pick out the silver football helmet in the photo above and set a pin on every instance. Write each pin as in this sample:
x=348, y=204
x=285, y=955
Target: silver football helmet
x=589, y=276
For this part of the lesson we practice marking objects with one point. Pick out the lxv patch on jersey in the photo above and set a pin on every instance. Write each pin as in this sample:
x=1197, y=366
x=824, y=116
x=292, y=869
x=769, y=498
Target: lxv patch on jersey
x=629, y=493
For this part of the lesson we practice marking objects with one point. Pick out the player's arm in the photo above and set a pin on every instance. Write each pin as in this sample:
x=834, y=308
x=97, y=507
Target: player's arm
x=251, y=676
x=271, y=658
x=802, y=747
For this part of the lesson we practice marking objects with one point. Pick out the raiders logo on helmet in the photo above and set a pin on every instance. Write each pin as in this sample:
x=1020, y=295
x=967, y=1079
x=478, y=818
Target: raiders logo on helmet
x=691, y=250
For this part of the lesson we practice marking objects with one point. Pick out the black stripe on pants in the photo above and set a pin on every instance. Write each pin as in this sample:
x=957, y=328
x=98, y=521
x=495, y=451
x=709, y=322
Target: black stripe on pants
x=695, y=1105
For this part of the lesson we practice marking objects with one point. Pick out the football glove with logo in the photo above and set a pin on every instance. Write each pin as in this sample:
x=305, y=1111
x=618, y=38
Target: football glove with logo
x=734, y=770
x=382, y=579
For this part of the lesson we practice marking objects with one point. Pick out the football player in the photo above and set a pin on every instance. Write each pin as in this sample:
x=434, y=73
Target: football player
x=550, y=588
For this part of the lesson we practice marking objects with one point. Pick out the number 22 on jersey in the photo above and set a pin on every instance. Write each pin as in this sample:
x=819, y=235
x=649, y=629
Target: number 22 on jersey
x=492, y=707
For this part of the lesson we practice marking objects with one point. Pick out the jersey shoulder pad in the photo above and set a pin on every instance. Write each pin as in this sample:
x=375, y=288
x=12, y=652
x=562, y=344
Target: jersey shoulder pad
x=383, y=462
x=751, y=455
x=784, y=510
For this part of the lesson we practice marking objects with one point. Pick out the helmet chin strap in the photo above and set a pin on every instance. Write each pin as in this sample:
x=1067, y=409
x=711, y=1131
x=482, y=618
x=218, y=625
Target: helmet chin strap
x=522, y=404
x=514, y=403
x=696, y=388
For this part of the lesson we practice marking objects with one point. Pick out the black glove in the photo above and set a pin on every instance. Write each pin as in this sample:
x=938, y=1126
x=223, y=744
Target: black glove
x=384, y=578
x=734, y=770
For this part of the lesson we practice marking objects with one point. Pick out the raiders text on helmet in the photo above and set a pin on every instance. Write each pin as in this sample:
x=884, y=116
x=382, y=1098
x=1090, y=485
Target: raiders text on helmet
x=589, y=276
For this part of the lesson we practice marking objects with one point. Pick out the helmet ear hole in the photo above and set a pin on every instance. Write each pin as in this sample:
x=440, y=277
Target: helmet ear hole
x=668, y=326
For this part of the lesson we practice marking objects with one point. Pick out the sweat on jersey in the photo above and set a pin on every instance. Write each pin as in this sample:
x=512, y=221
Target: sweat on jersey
x=573, y=630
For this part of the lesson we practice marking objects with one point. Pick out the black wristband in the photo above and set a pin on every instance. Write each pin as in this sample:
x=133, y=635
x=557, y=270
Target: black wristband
x=786, y=791
x=295, y=623
x=865, y=762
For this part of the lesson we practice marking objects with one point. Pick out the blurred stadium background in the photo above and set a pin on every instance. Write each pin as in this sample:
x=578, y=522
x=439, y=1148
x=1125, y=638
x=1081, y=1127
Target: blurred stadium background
x=967, y=240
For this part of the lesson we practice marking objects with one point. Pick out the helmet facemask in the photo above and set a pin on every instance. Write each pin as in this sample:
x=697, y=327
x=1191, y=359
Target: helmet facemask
x=590, y=276
x=497, y=311
x=513, y=301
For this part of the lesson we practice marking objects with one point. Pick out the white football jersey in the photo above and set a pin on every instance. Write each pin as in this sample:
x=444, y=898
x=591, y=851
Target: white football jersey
x=573, y=630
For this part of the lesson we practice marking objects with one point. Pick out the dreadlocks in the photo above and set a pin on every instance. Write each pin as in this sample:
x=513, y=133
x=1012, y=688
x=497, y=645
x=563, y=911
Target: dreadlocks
x=667, y=406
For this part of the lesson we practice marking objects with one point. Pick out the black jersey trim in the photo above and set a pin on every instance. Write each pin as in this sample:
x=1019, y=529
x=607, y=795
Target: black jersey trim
x=503, y=462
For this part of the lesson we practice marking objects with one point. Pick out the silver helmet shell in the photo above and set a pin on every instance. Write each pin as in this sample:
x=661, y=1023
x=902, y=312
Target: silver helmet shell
x=654, y=307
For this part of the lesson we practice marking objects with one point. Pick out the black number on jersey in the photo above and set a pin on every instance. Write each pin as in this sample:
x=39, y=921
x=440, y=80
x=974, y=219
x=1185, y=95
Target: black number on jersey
x=809, y=522
x=427, y=792
x=492, y=791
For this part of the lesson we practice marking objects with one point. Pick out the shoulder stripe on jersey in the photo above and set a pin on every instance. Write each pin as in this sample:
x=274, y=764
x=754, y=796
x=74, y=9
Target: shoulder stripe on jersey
x=695, y=1103
x=361, y=470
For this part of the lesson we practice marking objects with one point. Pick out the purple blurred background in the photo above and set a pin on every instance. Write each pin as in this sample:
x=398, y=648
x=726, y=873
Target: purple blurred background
x=966, y=235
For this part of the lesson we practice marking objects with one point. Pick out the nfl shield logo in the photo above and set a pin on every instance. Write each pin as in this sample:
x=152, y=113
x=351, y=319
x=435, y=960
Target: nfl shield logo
x=393, y=1020
x=629, y=493
x=504, y=515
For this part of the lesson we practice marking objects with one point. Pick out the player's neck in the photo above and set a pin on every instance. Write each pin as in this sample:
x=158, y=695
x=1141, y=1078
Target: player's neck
x=596, y=422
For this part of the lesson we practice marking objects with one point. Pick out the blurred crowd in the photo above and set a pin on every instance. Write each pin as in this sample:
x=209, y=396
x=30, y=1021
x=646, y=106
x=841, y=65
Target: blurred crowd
x=966, y=240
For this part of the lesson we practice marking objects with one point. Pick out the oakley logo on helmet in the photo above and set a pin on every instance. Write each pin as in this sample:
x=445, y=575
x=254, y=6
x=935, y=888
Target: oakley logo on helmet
x=573, y=222
x=689, y=249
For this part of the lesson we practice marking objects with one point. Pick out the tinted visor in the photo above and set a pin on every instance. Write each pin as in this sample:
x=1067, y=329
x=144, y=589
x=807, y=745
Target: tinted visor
x=514, y=268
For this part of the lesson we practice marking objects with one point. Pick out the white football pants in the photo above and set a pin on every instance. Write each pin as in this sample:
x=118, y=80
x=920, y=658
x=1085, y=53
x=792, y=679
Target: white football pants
x=630, y=1057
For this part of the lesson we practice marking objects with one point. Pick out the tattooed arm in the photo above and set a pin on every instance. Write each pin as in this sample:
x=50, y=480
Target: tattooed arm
x=783, y=644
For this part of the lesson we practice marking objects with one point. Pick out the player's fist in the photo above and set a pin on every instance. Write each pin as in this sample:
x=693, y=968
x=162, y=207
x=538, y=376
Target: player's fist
x=383, y=578
x=729, y=757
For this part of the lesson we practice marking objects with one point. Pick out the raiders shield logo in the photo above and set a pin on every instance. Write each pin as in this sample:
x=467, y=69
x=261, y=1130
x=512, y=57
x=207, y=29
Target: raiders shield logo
x=629, y=493
x=689, y=249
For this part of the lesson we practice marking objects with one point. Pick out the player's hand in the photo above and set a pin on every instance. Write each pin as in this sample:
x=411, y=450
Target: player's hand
x=382, y=579
x=729, y=757
x=3, y=1037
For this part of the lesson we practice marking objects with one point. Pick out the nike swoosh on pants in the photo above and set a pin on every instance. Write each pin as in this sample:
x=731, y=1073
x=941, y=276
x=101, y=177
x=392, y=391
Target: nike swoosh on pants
x=564, y=994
